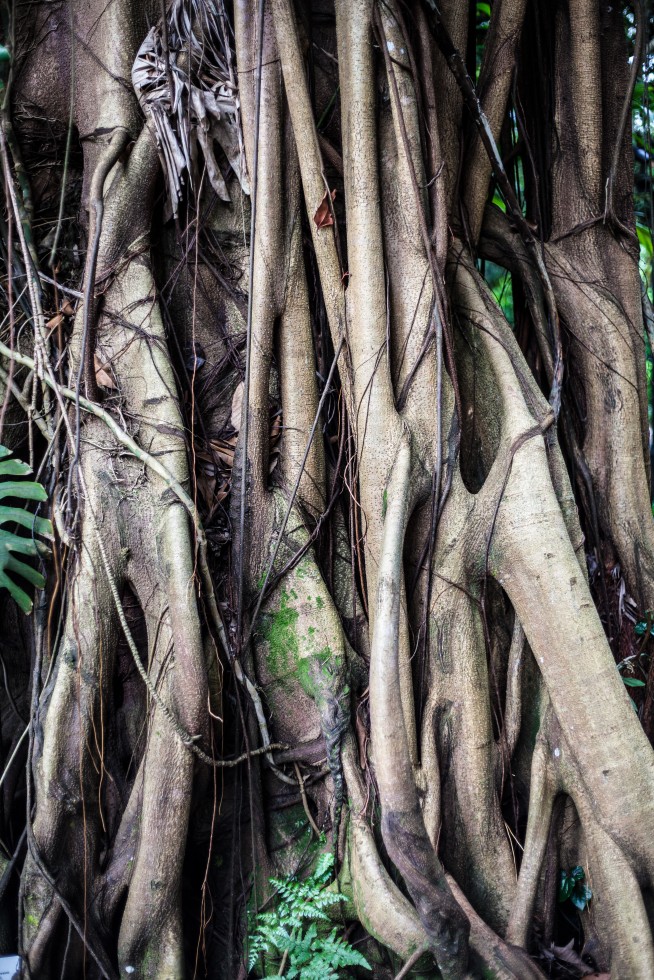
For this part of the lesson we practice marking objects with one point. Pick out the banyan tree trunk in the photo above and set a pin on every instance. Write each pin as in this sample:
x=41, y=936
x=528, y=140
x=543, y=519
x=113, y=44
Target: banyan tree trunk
x=324, y=516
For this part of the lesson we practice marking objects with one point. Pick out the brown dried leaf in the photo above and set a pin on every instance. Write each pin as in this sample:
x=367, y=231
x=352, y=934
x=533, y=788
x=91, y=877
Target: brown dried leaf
x=276, y=427
x=568, y=955
x=323, y=216
x=67, y=308
x=224, y=453
x=102, y=376
x=207, y=487
x=55, y=322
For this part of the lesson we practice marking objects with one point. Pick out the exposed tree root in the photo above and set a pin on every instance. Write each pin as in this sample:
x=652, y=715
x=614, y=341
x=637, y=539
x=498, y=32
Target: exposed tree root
x=401, y=570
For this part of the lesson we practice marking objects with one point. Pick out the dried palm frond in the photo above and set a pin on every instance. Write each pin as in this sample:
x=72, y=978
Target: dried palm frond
x=190, y=93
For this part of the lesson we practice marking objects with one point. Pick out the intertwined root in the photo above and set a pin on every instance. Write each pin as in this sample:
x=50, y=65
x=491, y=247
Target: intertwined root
x=481, y=657
x=520, y=524
x=95, y=827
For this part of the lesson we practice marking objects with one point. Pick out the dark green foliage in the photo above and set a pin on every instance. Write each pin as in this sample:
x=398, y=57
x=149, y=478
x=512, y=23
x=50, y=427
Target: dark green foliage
x=14, y=541
x=572, y=886
x=641, y=628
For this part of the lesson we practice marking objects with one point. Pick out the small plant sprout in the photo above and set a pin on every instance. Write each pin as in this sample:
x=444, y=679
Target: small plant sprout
x=572, y=886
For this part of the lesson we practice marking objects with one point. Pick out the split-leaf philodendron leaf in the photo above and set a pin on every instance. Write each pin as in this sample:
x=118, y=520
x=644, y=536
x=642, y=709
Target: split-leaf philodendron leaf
x=20, y=530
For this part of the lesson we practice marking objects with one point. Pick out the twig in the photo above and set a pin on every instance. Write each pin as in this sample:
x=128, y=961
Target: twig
x=13, y=755
x=410, y=963
x=305, y=802
x=10, y=697
x=6, y=874
x=24, y=404
x=53, y=282
x=34, y=287
x=62, y=289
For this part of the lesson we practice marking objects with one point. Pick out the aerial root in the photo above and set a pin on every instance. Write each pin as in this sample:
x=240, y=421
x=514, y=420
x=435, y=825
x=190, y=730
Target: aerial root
x=489, y=951
x=620, y=917
x=541, y=799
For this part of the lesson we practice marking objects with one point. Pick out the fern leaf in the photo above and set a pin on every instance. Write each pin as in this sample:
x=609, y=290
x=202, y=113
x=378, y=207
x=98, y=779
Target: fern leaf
x=293, y=928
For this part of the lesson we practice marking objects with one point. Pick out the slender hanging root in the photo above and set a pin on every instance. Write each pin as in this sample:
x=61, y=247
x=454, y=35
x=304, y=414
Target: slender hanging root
x=541, y=799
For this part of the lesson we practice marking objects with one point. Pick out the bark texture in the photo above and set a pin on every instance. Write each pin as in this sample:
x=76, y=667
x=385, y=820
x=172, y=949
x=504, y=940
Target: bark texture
x=339, y=548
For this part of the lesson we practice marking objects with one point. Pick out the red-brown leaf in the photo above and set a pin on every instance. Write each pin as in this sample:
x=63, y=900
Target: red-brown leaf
x=55, y=322
x=323, y=216
x=102, y=375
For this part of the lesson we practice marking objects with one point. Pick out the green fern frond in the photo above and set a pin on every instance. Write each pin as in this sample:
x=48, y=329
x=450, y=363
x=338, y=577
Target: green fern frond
x=13, y=543
x=292, y=928
x=324, y=867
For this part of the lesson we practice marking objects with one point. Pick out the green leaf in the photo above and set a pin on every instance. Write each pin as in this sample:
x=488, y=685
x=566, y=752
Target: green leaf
x=23, y=491
x=25, y=571
x=36, y=525
x=641, y=628
x=566, y=887
x=581, y=896
x=645, y=238
x=12, y=542
x=572, y=886
x=23, y=546
x=498, y=201
x=633, y=682
x=324, y=866
x=14, y=467
x=646, y=251
x=20, y=598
